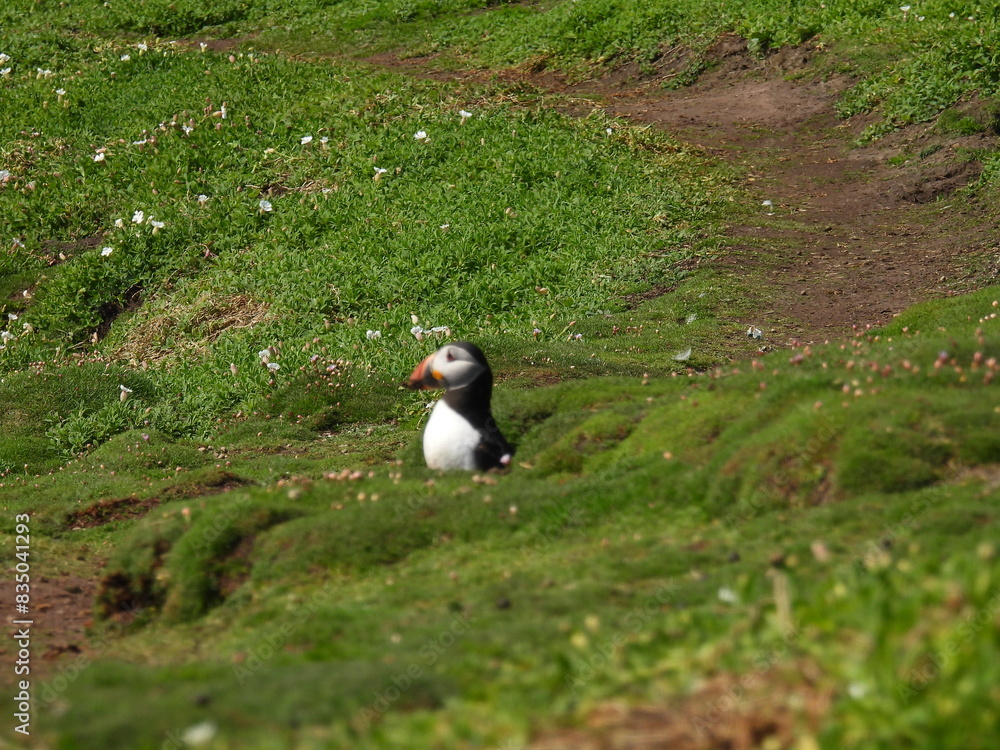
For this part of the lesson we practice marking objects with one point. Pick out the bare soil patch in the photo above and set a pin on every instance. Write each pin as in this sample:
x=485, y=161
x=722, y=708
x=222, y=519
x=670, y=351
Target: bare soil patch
x=61, y=613
x=729, y=711
x=853, y=235
x=211, y=483
x=105, y=511
x=108, y=510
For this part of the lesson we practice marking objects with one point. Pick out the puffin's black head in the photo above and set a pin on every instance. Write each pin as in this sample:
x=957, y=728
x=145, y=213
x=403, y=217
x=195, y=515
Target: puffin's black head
x=454, y=365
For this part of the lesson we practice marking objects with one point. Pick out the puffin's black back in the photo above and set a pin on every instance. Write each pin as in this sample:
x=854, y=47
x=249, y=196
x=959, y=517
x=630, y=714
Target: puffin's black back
x=473, y=403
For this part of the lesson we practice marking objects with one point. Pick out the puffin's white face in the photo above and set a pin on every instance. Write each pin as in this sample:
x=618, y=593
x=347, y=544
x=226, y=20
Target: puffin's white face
x=449, y=367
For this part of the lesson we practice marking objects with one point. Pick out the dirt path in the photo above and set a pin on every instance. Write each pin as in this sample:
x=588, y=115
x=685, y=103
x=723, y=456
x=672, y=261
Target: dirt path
x=854, y=235
x=850, y=238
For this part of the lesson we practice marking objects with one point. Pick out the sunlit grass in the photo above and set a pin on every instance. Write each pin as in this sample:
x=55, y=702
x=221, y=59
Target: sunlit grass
x=796, y=512
x=184, y=211
x=219, y=267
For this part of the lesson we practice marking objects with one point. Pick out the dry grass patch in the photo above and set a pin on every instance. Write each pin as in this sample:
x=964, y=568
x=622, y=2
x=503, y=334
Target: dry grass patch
x=191, y=328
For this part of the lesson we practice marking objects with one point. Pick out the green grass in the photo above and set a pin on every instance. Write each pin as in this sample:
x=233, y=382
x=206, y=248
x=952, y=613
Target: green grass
x=459, y=231
x=909, y=65
x=277, y=569
x=635, y=548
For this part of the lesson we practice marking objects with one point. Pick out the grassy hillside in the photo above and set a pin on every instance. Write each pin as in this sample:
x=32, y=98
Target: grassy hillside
x=911, y=61
x=815, y=526
x=255, y=203
x=219, y=266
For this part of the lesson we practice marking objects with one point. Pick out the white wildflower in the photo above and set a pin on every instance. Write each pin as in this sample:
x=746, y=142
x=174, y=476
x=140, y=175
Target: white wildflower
x=202, y=199
x=142, y=46
x=123, y=395
x=265, y=355
x=857, y=690
x=306, y=139
x=273, y=366
x=727, y=595
x=418, y=333
x=4, y=72
x=105, y=252
x=119, y=223
x=373, y=334
x=4, y=58
x=420, y=135
x=138, y=217
x=199, y=734
x=125, y=58
x=99, y=157
x=265, y=207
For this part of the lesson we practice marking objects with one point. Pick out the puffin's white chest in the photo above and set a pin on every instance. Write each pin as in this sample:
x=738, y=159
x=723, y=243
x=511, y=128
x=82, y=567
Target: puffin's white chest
x=449, y=440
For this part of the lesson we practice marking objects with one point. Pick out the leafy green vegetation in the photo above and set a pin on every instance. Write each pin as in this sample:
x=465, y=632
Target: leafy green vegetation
x=240, y=216
x=220, y=263
x=797, y=512
x=911, y=61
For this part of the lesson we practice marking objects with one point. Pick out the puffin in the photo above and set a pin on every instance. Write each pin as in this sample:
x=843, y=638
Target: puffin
x=461, y=432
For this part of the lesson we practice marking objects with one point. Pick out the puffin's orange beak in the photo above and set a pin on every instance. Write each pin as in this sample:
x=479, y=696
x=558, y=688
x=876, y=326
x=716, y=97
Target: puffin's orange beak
x=423, y=377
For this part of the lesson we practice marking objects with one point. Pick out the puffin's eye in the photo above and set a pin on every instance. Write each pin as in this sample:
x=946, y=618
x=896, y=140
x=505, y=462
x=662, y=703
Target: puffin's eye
x=451, y=357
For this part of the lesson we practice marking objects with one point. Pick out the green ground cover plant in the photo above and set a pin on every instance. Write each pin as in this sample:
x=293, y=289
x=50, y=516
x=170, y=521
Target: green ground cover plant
x=221, y=261
x=911, y=60
x=793, y=514
x=238, y=228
